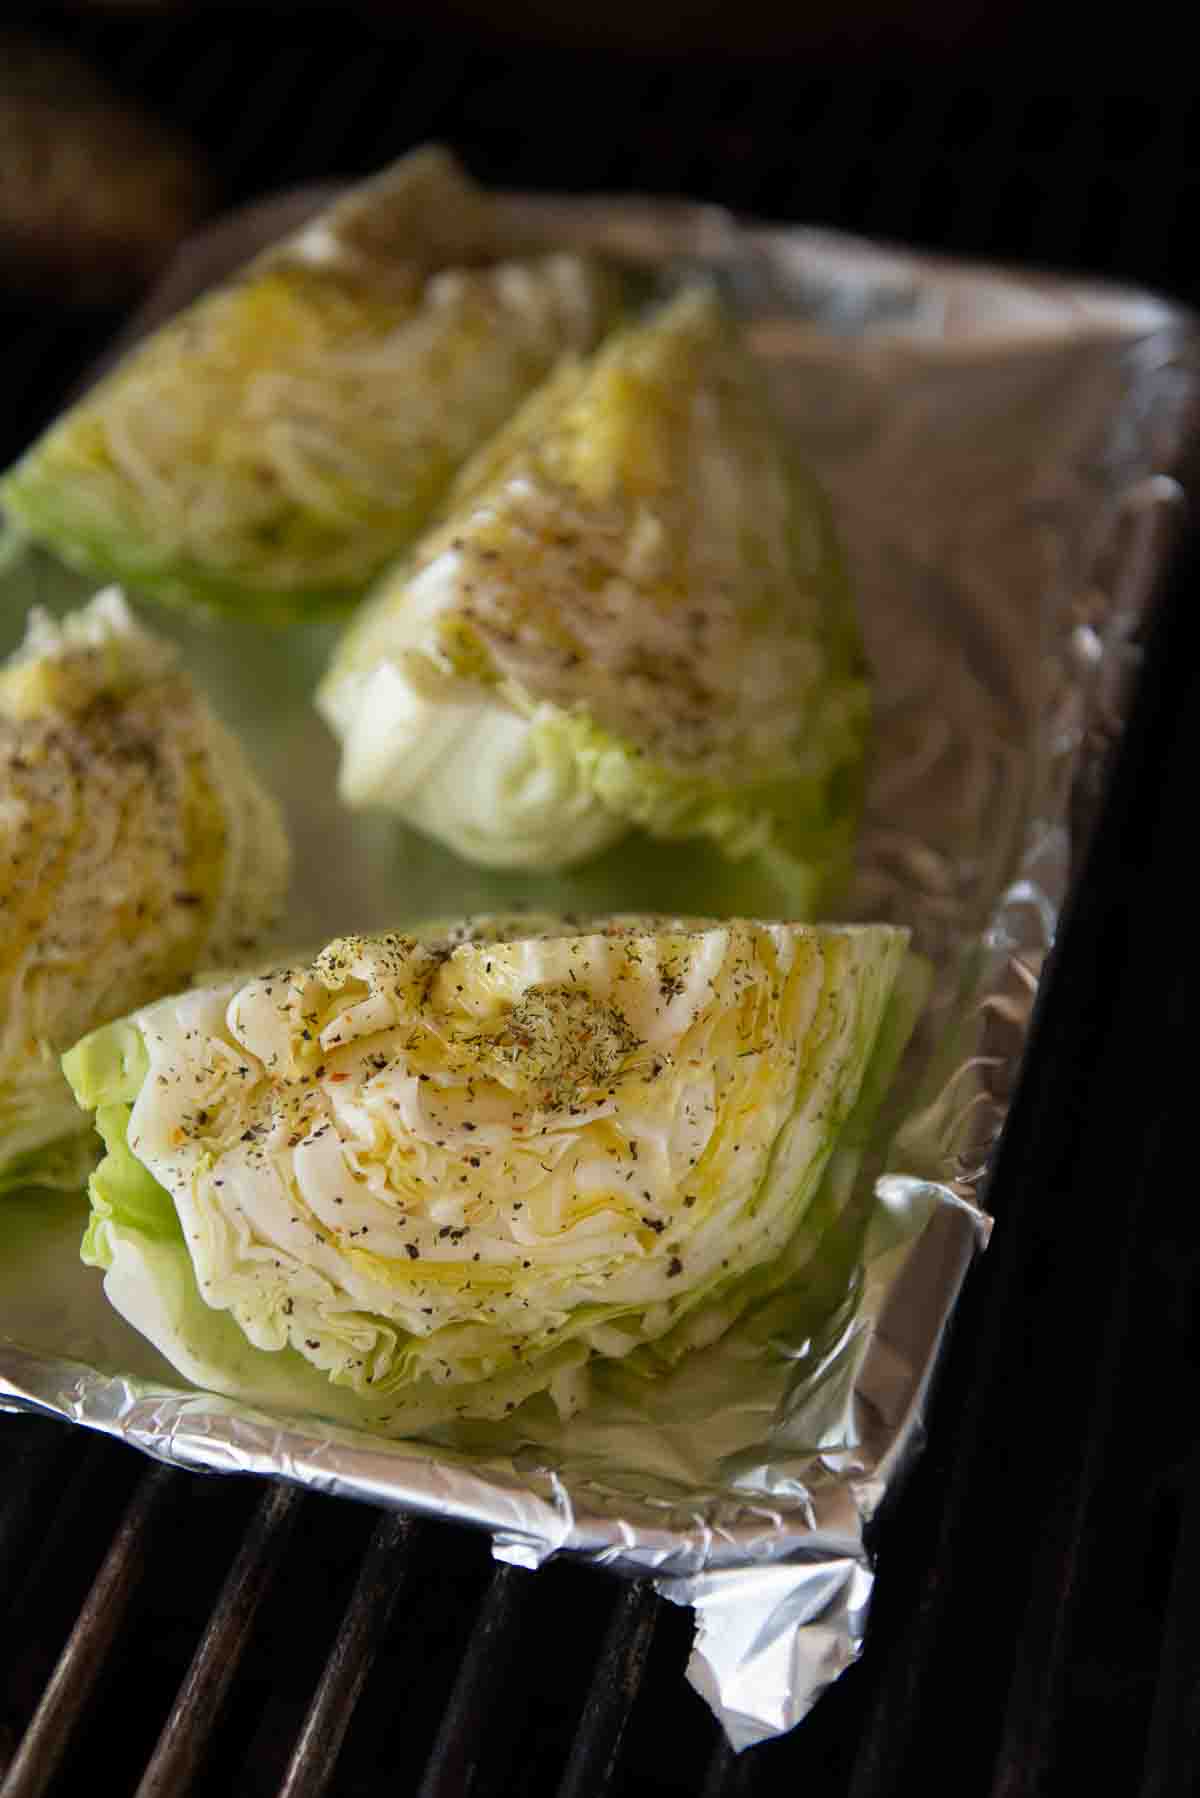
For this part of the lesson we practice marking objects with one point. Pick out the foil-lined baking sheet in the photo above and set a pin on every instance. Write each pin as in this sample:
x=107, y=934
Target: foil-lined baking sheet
x=1003, y=455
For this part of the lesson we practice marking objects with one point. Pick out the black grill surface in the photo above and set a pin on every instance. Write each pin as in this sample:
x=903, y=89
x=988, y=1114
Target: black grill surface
x=1035, y=1627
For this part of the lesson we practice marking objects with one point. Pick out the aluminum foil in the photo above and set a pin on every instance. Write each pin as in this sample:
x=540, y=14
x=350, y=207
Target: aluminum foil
x=1003, y=454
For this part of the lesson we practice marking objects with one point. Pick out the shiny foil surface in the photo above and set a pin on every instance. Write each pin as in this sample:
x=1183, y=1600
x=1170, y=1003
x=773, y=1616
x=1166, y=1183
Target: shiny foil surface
x=1004, y=454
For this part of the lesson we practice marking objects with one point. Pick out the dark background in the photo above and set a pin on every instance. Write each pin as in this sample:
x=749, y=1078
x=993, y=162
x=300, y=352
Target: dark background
x=1035, y=1627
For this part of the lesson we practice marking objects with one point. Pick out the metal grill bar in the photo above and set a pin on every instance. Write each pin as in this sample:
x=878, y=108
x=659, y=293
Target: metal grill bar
x=1103, y=1662
x=454, y=1760
x=38, y=360
x=1025, y=1746
x=359, y=91
x=1100, y=1129
x=267, y=112
x=811, y=184
x=970, y=221
x=59, y=1525
x=416, y=106
x=722, y=1779
x=1060, y=222
x=1173, y=1752
x=202, y=1696
x=144, y=60
x=364, y=1626
x=208, y=71
x=34, y=1454
x=610, y=1698
x=1050, y=1637
x=83, y=1660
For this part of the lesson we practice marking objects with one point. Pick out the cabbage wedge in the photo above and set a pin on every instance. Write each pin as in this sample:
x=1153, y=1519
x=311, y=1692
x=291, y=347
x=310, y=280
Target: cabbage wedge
x=285, y=437
x=430, y=1175
x=136, y=846
x=633, y=616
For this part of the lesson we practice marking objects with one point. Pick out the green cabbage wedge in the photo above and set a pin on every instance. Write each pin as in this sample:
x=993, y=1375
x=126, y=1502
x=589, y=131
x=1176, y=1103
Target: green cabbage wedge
x=633, y=615
x=278, y=443
x=136, y=846
x=431, y=1175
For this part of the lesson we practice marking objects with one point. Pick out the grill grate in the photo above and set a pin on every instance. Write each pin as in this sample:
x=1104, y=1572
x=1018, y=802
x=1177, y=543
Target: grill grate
x=194, y=1635
x=379, y=1586
x=81, y=1663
